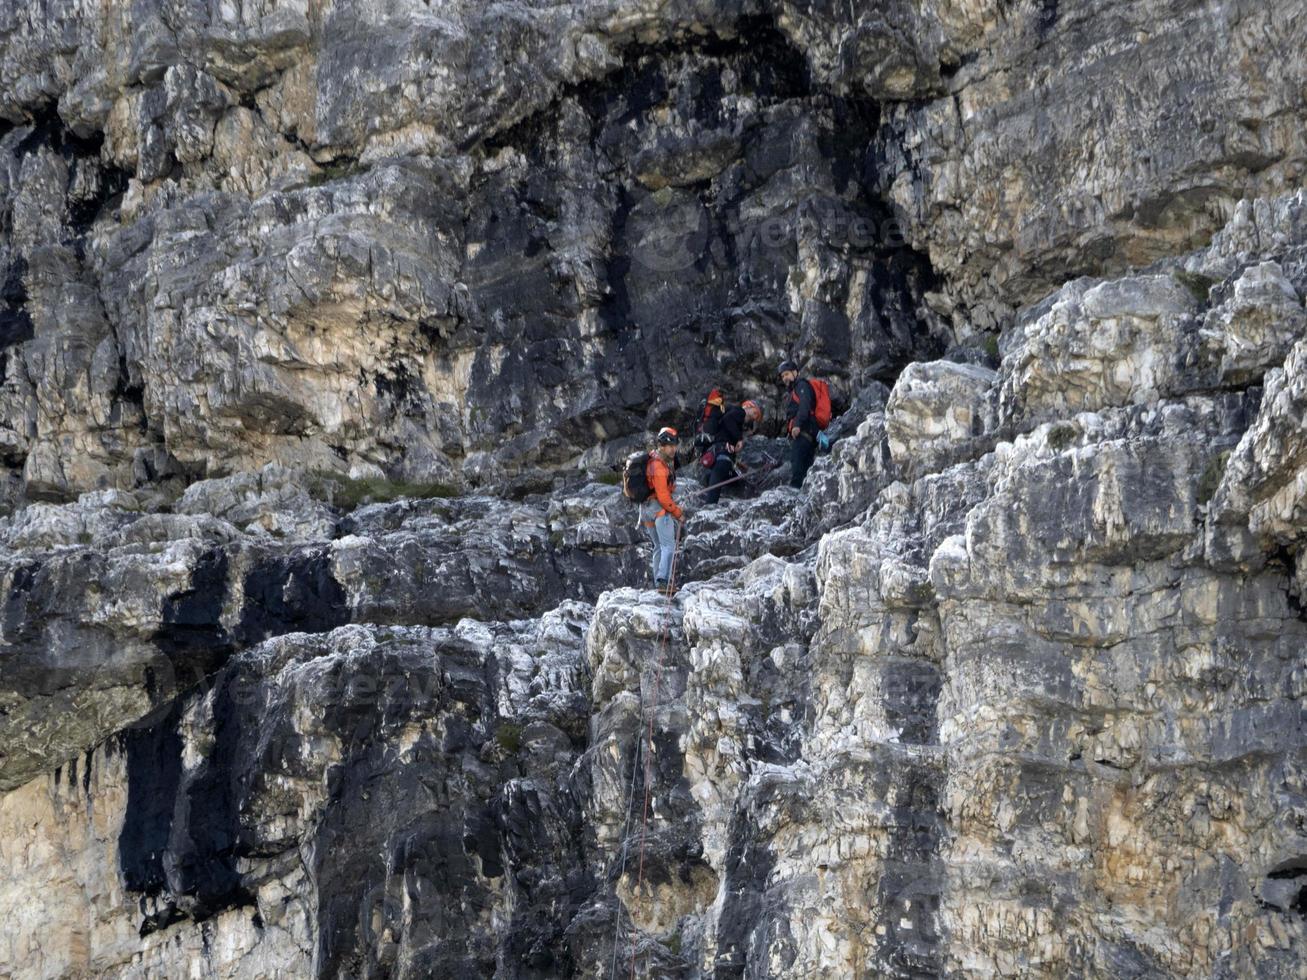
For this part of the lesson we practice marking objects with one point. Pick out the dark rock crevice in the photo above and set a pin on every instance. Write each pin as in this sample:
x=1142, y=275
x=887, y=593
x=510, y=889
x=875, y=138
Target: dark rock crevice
x=93, y=186
x=15, y=320
x=912, y=882
x=289, y=593
x=691, y=274
x=154, y=761
x=752, y=921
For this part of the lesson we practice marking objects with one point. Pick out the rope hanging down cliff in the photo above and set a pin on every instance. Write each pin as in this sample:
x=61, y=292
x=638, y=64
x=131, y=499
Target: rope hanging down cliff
x=644, y=754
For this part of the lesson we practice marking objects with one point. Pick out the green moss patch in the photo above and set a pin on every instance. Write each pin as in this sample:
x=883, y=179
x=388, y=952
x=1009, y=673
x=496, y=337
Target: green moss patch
x=1197, y=284
x=347, y=494
x=509, y=737
x=337, y=171
x=1061, y=436
x=1211, y=478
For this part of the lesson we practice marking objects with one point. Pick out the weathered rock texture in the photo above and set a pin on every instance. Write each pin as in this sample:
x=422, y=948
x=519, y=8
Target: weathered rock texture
x=326, y=647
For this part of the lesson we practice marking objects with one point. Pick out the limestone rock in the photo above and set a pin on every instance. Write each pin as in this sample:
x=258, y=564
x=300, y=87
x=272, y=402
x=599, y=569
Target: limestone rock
x=1262, y=483
x=1095, y=346
x=326, y=642
x=1070, y=141
x=280, y=274
x=939, y=413
x=1255, y=327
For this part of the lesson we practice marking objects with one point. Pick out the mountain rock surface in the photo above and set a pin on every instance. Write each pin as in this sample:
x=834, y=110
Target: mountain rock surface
x=327, y=641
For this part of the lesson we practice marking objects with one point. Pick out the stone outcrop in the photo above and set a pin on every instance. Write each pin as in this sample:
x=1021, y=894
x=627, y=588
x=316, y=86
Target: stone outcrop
x=940, y=412
x=480, y=280
x=326, y=647
x=296, y=234
x=1083, y=139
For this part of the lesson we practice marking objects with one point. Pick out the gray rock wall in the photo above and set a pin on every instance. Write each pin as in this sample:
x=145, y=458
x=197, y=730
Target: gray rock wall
x=325, y=642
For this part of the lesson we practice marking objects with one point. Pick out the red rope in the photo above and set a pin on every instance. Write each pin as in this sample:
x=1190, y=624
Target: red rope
x=658, y=681
x=648, y=748
x=736, y=479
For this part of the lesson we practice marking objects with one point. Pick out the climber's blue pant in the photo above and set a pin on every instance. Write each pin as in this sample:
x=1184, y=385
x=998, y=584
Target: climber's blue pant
x=663, y=537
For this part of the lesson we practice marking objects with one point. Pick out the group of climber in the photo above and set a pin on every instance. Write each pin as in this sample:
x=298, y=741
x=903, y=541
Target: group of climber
x=721, y=438
x=650, y=478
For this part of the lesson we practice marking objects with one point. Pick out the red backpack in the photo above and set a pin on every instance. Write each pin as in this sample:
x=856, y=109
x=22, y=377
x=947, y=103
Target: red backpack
x=710, y=415
x=821, y=411
x=821, y=402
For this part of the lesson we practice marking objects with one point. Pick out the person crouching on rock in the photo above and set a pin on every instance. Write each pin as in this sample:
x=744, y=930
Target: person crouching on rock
x=660, y=513
x=733, y=426
x=801, y=421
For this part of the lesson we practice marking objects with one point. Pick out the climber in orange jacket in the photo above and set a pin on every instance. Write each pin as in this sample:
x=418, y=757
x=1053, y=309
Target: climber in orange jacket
x=660, y=513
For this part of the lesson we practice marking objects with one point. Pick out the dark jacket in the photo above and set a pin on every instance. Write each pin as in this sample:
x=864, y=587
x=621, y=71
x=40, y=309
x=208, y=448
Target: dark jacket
x=799, y=408
x=732, y=426
x=710, y=420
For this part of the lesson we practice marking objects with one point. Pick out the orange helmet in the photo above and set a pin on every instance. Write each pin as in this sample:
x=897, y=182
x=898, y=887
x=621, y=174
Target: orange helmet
x=667, y=436
x=752, y=410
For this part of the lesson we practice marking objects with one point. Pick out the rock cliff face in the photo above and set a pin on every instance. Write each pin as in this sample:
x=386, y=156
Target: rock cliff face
x=326, y=646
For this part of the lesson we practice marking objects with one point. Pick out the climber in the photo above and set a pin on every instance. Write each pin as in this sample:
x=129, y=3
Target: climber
x=660, y=513
x=734, y=425
x=807, y=412
x=709, y=418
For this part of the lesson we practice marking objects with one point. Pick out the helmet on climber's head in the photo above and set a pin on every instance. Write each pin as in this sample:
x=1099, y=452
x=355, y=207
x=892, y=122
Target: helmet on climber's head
x=752, y=410
x=666, y=442
x=787, y=372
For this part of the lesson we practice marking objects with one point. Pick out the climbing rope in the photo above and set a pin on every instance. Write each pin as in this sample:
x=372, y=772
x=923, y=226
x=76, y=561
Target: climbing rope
x=626, y=836
x=761, y=471
x=644, y=750
x=647, y=749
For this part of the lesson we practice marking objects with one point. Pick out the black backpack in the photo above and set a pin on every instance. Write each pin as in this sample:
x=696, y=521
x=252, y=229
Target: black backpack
x=635, y=478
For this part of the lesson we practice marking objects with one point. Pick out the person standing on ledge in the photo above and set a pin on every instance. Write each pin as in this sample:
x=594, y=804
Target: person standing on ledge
x=731, y=430
x=660, y=513
x=801, y=421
